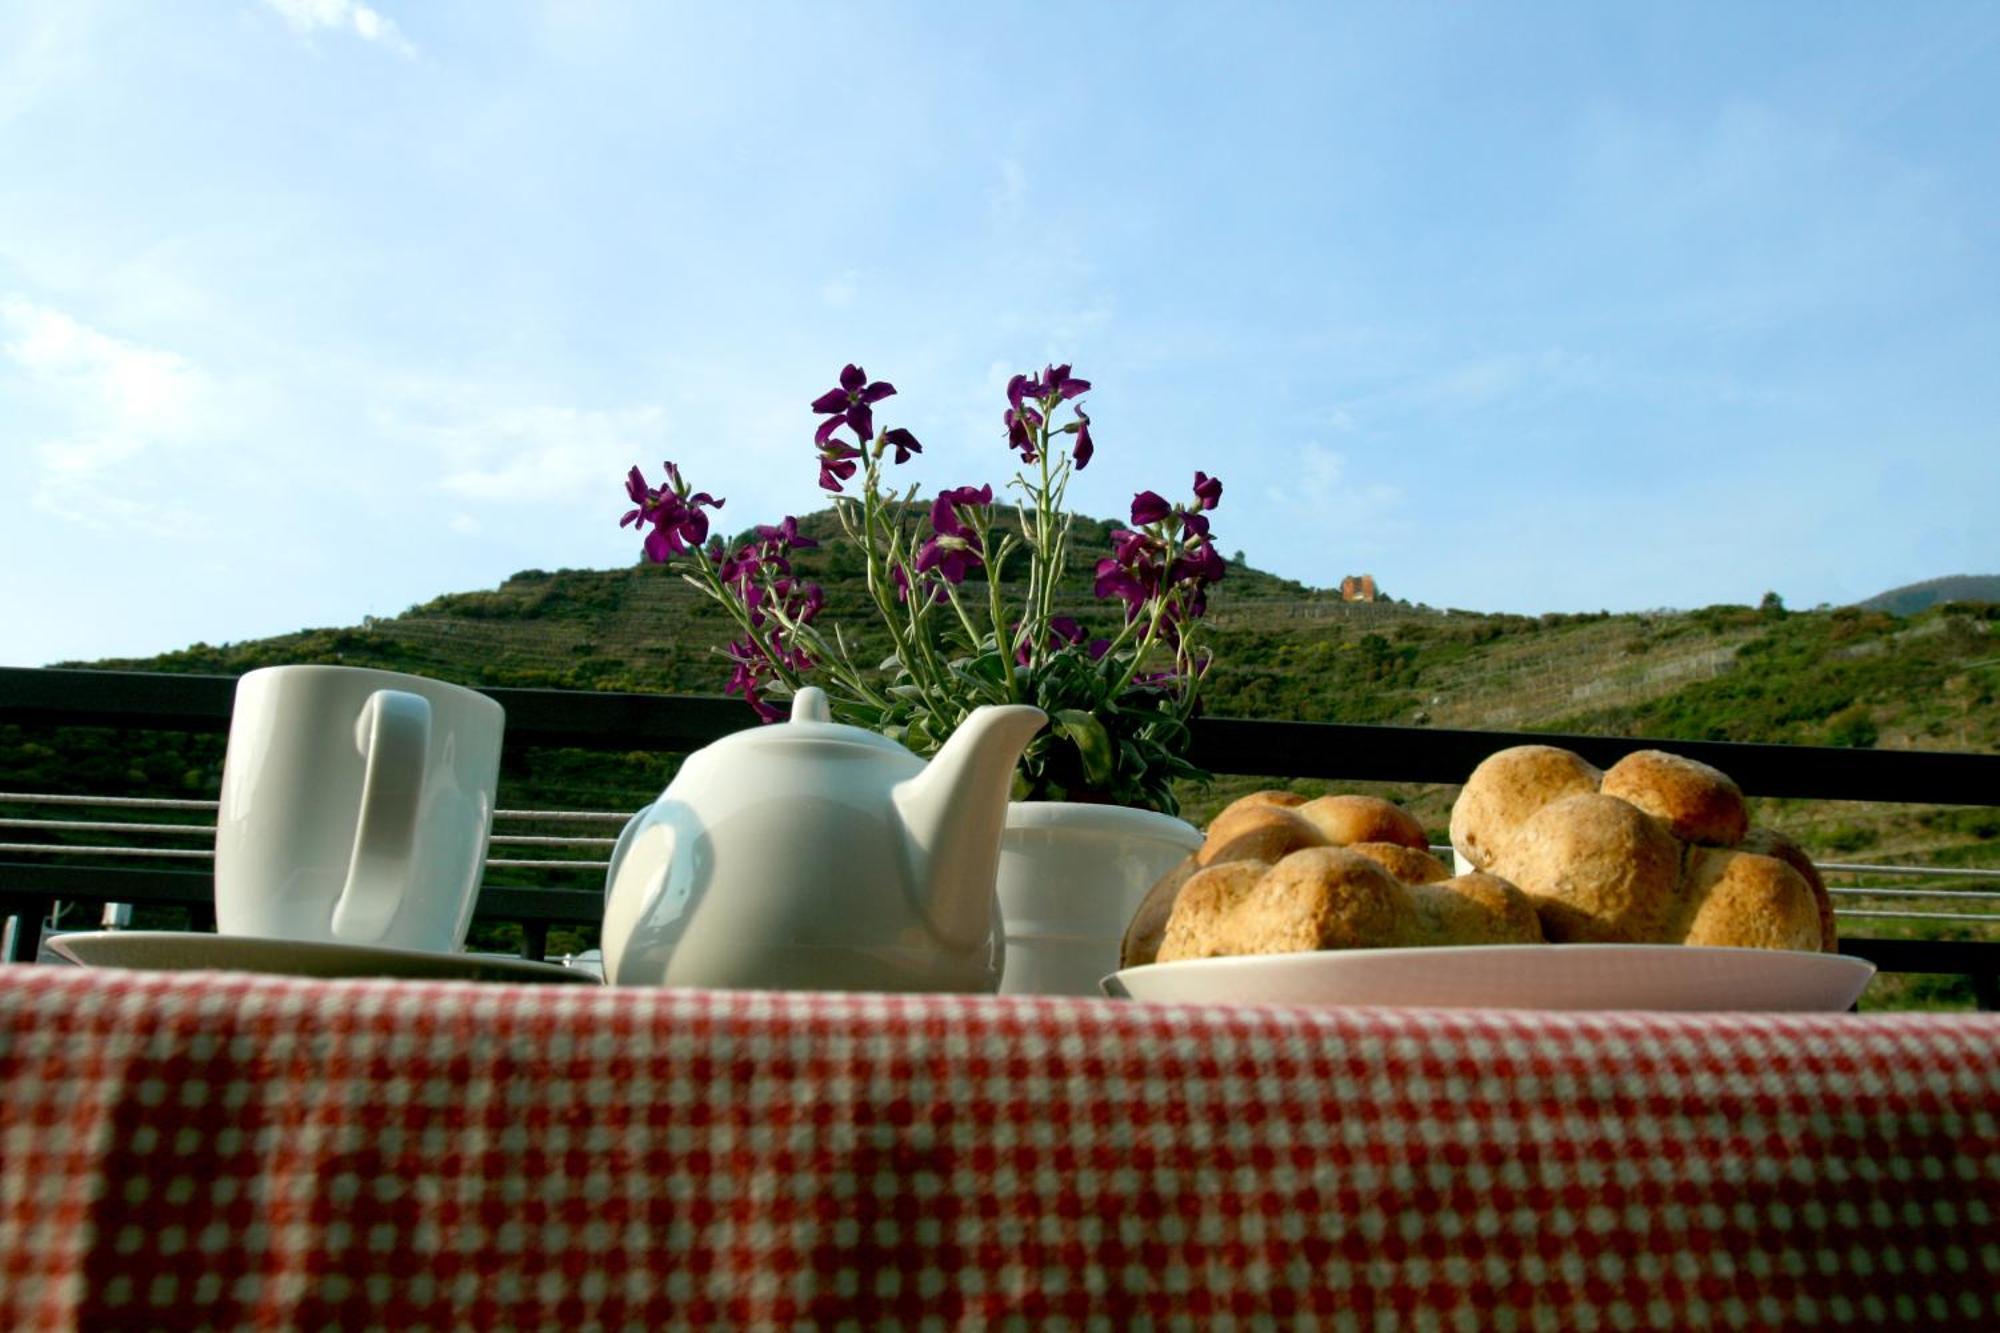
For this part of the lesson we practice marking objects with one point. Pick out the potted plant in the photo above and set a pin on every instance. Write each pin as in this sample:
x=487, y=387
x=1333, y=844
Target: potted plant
x=966, y=590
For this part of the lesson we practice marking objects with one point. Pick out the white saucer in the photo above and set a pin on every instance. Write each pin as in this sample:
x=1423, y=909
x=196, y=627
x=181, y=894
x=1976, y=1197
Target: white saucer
x=1666, y=977
x=186, y=951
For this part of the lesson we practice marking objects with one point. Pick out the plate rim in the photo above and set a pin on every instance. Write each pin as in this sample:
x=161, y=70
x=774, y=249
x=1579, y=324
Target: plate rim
x=1114, y=985
x=526, y=968
x=1592, y=946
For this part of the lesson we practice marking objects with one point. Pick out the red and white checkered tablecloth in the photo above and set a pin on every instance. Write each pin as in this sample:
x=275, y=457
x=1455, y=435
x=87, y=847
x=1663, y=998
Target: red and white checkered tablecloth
x=227, y=1150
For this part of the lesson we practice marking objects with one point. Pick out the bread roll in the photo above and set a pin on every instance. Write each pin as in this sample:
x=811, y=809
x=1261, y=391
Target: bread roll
x=1474, y=909
x=1697, y=803
x=1744, y=900
x=1770, y=842
x=1405, y=863
x=1287, y=799
x=1598, y=870
x=1149, y=924
x=1203, y=923
x=1506, y=789
x=1256, y=832
x=1346, y=820
x=1336, y=898
x=1318, y=898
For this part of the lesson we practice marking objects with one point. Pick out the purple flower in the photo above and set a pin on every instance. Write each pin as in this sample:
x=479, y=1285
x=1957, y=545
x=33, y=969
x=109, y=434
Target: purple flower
x=641, y=494
x=953, y=550
x=903, y=443
x=1201, y=564
x=849, y=403
x=1128, y=547
x=836, y=464
x=1115, y=580
x=1207, y=490
x=1084, y=448
x=1022, y=425
x=784, y=535
x=1020, y=389
x=1058, y=384
x=944, y=510
x=752, y=671
x=676, y=516
x=951, y=556
x=1149, y=507
x=1194, y=521
x=1063, y=629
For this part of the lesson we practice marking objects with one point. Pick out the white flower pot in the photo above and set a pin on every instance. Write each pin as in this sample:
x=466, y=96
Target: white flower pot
x=1071, y=876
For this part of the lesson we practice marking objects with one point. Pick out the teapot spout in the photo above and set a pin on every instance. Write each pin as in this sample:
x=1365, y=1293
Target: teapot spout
x=953, y=813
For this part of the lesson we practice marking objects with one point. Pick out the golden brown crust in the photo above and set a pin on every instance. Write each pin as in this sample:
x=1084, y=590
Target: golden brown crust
x=1698, y=804
x=1476, y=908
x=1405, y=863
x=1318, y=898
x=1598, y=870
x=1259, y=832
x=1337, y=898
x=1506, y=790
x=1149, y=924
x=1346, y=820
x=1270, y=796
x=1743, y=900
x=1205, y=911
x=1770, y=842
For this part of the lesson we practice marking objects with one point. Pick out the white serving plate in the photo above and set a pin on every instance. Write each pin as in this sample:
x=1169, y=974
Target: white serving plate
x=1673, y=977
x=186, y=951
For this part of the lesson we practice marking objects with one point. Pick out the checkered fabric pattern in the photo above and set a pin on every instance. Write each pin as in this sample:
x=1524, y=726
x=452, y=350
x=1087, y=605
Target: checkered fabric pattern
x=234, y=1151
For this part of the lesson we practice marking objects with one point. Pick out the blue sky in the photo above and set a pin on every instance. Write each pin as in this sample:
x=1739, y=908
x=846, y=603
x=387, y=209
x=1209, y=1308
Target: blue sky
x=312, y=310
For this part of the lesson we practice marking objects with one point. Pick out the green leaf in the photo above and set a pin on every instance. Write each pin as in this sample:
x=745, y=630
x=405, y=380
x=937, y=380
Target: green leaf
x=1093, y=744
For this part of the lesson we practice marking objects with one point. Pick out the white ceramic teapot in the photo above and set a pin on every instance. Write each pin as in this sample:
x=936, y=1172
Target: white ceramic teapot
x=815, y=856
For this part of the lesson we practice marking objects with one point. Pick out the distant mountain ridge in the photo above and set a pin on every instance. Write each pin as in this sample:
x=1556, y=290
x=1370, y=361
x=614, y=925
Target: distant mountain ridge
x=1914, y=597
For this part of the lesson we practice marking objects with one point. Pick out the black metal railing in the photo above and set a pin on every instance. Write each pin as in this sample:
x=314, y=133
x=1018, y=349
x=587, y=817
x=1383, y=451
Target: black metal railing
x=669, y=724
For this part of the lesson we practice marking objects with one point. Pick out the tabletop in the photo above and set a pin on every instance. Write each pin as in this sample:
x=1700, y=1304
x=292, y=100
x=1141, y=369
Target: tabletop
x=226, y=1150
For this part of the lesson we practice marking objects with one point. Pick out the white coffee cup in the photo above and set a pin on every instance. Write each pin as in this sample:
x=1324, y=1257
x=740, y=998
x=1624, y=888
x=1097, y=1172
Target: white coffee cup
x=355, y=807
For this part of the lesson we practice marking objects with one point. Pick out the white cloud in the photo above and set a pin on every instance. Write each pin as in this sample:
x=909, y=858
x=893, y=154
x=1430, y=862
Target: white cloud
x=140, y=390
x=1354, y=515
x=538, y=454
x=370, y=25
x=107, y=401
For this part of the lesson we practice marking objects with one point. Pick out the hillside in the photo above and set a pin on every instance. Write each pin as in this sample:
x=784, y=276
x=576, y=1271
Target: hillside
x=1914, y=597
x=1848, y=676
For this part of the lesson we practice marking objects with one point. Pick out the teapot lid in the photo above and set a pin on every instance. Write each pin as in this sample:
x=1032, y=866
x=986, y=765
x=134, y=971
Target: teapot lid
x=812, y=721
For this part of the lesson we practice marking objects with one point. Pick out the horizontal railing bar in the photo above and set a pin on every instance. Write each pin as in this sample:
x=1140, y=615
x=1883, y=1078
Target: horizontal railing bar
x=99, y=826
x=26, y=881
x=77, y=849
x=24, y=884
x=1919, y=916
x=125, y=802
x=547, y=865
x=590, y=816
x=1940, y=872
x=1866, y=892
x=161, y=803
x=677, y=723
x=534, y=840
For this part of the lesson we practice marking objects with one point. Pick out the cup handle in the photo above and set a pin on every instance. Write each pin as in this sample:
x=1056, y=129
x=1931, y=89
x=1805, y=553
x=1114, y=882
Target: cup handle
x=393, y=733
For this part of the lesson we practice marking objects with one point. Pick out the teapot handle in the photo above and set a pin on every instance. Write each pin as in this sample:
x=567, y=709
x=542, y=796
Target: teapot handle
x=625, y=836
